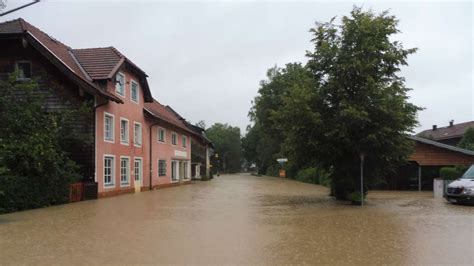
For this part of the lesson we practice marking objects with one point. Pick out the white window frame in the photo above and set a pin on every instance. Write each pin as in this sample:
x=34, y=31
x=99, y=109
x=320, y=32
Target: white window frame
x=186, y=174
x=176, y=171
x=164, y=135
x=112, y=174
x=140, y=135
x=122, y=183
x=166, y=165
x=18, y=69
x=127, y=132
x=112, y=140
x=140, y=159
x=184, y=141
x=175, y=135
x=131, y=91
x=117, y=85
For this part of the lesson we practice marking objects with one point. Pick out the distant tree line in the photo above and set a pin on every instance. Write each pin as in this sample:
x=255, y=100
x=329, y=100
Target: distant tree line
x=228, y=150
x=347, y=100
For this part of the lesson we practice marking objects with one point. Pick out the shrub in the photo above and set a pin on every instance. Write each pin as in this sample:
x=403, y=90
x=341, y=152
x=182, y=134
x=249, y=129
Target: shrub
x=314, y=175
x=451, y=173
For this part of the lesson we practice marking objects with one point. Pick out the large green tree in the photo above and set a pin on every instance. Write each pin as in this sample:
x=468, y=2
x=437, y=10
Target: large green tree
x=227, y=143
x=268, y=126
x=363, y=101
x=348, y=100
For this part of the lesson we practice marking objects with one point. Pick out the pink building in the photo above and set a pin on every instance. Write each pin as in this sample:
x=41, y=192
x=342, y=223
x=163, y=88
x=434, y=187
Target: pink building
x=139, y=144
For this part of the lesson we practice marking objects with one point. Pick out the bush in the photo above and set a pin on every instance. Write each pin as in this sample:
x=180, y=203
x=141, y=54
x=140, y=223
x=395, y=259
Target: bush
x=355, y=196
x=273, y=170
x=314, y=175
x=451, y=173
x=22, y=193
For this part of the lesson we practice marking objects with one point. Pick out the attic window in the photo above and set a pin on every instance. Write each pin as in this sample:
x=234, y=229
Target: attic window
x=24, y=70
x=120, y=84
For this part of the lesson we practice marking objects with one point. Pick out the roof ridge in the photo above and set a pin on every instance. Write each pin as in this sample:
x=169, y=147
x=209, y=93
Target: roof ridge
x=26, y=25
x=92, y=48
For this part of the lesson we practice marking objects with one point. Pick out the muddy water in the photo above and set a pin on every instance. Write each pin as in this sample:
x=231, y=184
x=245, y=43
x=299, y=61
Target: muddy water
x=241, y=219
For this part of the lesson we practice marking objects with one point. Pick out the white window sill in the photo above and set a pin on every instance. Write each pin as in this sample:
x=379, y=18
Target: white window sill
x=109, y=186
x=109, y=140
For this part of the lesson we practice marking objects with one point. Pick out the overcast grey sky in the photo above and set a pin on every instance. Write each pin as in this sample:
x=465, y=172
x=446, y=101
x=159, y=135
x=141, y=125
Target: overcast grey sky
x=205, y=59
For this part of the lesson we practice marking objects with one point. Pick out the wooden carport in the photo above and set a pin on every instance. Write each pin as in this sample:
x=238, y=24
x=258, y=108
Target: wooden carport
x=432, y=153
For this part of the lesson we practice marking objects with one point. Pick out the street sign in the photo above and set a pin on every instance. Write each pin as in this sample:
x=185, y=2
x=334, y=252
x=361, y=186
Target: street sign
x=282, y=160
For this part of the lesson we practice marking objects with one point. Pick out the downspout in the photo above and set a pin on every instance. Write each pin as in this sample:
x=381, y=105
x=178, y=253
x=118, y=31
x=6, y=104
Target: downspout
x=151, y=153
x=95, y=135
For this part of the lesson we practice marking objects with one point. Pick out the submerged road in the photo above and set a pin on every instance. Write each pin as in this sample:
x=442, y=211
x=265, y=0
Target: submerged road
x=242, y=219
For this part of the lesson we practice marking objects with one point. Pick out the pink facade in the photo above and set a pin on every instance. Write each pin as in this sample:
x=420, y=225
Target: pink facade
x=124, y=166
x=129, y=153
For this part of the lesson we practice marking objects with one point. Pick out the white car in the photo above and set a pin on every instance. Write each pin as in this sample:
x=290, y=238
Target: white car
x=462, y=189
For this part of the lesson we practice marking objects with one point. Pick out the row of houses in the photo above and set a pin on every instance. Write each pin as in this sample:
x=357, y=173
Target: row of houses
x=139, y=143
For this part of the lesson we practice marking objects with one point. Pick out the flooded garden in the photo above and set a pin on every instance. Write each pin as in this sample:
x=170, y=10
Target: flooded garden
x=243, y=219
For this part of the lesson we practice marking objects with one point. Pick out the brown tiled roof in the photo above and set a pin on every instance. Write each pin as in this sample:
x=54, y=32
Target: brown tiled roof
x=103, y=63
x=98, y=62
x=441, y=133
x=162, y=112
x=87, y=64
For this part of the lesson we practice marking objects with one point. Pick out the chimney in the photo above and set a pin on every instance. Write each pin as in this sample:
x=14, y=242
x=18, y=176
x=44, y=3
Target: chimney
x=435, y=127
x=451, y=123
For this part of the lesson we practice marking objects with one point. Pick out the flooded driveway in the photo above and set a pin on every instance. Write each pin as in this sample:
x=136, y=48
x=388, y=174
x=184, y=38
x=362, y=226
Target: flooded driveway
x=242, y=219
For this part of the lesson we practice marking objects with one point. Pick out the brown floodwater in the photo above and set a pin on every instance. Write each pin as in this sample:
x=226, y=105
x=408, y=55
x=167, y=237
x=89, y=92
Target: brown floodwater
x=242, y=219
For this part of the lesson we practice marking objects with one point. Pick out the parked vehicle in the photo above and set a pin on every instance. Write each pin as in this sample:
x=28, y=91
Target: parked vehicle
x=462, y=189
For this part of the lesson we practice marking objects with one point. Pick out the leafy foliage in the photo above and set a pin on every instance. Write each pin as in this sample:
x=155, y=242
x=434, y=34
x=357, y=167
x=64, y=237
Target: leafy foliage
x=451, y=173
x=467, y=141
x=347, y=100
x=31, y=149
x=314, y=175
x=227, y=145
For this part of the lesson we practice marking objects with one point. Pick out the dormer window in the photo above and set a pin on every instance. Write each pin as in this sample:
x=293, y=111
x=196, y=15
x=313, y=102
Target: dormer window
x=24, y=70
x=134, y=91
x=120, y=84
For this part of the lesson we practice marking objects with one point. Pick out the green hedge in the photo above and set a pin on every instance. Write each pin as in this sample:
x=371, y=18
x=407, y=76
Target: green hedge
x=21, y=193
x=314, y=175
x=451, y=173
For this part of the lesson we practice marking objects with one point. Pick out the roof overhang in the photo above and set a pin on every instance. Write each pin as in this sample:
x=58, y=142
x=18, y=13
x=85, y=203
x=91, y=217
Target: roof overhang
x=61, y=66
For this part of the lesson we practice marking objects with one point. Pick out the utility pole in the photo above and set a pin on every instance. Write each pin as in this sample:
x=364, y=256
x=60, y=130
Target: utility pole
x=3, y=5
x=362, y=157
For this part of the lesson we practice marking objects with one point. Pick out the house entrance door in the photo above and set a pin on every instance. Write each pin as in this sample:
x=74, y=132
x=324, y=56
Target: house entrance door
x=138, y=173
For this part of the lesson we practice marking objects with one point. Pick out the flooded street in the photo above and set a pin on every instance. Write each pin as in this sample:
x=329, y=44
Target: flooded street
x=242, y=219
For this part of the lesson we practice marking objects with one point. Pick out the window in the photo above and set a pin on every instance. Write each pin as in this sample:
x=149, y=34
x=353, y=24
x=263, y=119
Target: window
x=134, y=91
x=123, y=131
x=184, y=141
x=186, y=173
x=162, y=168
x=109, y=175
x=24, y=70
x=108, y=127
x=137, y=134
x=124, y=171
x=120, y=84
x=161, y=135
x=138, y=169
x=174, y=138
x=174, y=176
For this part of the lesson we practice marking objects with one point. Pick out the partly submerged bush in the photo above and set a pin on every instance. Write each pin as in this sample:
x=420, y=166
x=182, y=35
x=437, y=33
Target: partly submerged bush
x=314, y=175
